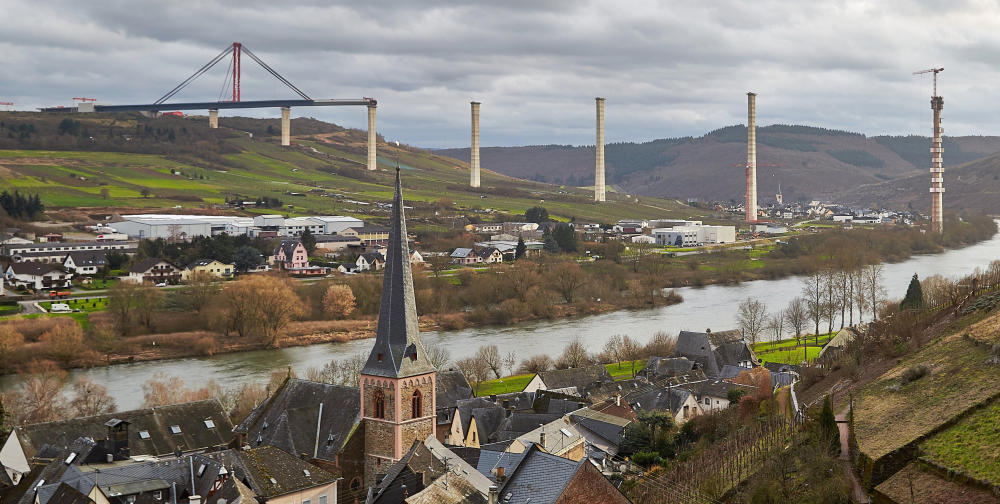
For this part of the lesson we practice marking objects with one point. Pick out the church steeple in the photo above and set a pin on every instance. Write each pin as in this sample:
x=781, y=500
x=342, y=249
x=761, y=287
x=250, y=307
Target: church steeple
x=397, y=352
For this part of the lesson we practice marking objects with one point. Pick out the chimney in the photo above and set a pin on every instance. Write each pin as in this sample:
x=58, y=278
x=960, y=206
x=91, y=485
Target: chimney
x=194, y=499
x=541, y=439
x=618, y=399
x=500, y=474
x=494, y=494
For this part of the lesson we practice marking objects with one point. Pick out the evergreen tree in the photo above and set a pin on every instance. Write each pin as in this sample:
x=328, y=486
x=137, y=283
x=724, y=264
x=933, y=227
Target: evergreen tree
x=520, y=249
x=565, y=236
x=308, y=241
x=914, y=295
x=245, y=258
x=536, y=214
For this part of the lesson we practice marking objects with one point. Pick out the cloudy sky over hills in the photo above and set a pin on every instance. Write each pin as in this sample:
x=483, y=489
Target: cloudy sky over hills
x=666, y=68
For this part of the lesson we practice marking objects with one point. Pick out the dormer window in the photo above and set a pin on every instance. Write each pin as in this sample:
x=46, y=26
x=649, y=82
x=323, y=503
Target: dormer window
x=380, y=357
x=209, y=423
x=143, y=434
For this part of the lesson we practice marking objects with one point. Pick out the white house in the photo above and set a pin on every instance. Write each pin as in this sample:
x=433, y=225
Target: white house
x=371, y=261
x=35, y=275
x=86, y=263
x=465, y=256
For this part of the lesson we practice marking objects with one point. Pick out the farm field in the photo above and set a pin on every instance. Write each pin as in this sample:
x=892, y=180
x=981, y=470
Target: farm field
x=787, y=351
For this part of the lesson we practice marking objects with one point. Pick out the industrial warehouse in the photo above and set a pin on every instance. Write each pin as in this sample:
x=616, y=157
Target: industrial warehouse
x=188, y=226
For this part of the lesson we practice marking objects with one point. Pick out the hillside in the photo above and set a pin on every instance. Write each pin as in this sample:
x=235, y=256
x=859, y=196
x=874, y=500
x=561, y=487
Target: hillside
x=813, y=162
x=119, y=163
x=973, y=187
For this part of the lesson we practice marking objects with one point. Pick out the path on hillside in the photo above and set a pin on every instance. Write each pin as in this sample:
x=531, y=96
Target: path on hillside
x=857, y=492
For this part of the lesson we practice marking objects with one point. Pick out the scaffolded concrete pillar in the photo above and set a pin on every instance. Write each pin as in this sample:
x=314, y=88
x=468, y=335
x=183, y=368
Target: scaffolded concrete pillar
x=751, y=169
x=474, y=151
x=286, y=126
x=599, y=153
x=372, y=160
x=937, y=168
x=213, y=118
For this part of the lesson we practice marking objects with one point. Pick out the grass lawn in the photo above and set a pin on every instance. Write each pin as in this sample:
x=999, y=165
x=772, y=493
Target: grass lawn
x=889, y=415
x=971, y=446
x=788, y=352
x=623, y=371
x=514, y=383
x=789, y=356
x=84, y=305
x=98, y=284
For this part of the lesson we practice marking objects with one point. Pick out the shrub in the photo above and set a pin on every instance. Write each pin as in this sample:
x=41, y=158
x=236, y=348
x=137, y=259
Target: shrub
x=914, y=373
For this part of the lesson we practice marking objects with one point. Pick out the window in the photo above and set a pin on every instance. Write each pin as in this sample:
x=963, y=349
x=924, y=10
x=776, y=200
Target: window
x=355, y=483
x=209, y=424
x=176, y=429
x=417, y=404
x=379, y=403
x=322, y=499
x=157, y=495
x=306, y=501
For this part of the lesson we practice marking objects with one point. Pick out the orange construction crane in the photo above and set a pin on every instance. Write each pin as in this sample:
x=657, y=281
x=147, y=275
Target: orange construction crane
x=85, y=99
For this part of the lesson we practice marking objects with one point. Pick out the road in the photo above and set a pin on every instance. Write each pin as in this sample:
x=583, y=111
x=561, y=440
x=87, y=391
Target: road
x=858, y=494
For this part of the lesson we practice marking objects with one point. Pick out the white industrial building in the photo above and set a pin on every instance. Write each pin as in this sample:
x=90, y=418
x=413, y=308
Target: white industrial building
x=188, y=226
x=693, y=236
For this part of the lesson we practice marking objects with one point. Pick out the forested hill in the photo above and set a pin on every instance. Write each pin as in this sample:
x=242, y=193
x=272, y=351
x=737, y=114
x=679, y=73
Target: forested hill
x=811, y=162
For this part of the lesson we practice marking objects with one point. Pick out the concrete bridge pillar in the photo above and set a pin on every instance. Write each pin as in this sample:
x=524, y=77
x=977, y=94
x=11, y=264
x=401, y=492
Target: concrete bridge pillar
x=286, y=126
x=213, y=118
x=371, y=138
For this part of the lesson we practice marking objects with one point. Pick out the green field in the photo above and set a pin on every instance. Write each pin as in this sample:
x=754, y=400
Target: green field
x=84, y=305
x=971, y=446
x=788, y=352
x=517, y=383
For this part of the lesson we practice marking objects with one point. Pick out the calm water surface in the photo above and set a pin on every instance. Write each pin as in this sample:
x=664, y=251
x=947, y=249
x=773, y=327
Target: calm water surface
x=703, y=307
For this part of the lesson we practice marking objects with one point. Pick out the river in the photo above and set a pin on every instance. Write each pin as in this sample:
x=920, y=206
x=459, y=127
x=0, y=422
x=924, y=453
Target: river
x=712, y=307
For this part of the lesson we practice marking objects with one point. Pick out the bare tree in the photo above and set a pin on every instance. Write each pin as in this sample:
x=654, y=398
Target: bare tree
x=38, y=397
x=260, y=305
x=812, y=293
x=660, y=345
x=574, y=355
x=338, y=301
x=200, y=290
x=64, y=342
x=339, y=372
x=860, y=296
x=147, y=299
x=630, y=351
x=490, y=355
x=121, y=305
x=776, y=325
x=522, y=278
x=873, y=287
x=796, y=315
x=10, y=340
x=830, y=297
x=844, y=294
x=508, y=362
x=162, y=389
x=535, y=364
x=90, y=399
x=438, y=263
x=612, y=351
x=566, y=278
x=437, y=354
x=751, y=317
x=475, y=370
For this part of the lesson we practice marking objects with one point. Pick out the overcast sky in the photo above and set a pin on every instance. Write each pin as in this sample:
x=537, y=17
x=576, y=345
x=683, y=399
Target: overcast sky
x=666, y=68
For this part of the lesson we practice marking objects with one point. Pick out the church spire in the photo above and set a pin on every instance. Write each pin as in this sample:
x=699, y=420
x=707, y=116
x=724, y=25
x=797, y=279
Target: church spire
x=397, y=352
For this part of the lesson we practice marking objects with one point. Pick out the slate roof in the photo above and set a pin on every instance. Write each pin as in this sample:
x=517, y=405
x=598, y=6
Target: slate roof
x=147, y=263
x=659, y=399
x=485, y=253
x=716, y=388
x=397, y=352
x=490, y=460
x=270, y=471
x=556, y=438
x=430, y=461
x=696, y=346
x=668, y=366
x=204, y=262
x=336, y=238
x=782, y=379
x=451, y=387
x=287, y=419
x=582, y=377
x=373, y=257
x=609, y=427
x=730, y=371
x=461, y=252
x=467, y=408
x=778, y=367
x=97, y=258
x=519, y=424
x=540, y=477
x=288, y=246
x=717, y=338
x=35, y=268
x=156, y=422
x=66, y=494
x=733, y=353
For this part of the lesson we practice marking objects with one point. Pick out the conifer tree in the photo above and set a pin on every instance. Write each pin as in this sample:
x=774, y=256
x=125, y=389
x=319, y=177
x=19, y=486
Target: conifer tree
x=914, y=295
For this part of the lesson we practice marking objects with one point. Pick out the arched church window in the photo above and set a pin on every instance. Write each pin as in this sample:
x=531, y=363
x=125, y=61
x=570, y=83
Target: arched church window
x=378, y=398
x=418, y=403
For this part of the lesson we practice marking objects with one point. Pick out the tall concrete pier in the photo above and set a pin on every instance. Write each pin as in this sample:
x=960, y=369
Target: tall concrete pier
x=286, y=126
x=599, y=153
x=937, y=167
x=213, y=118
x=474, y=149
x=371, y=138
x=751, y=195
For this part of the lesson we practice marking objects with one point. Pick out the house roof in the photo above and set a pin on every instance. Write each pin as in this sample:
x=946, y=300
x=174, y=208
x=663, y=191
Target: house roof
x=559, y=435
x=451, y=479
x=35, y=268
x=204, y=262
x=696, y=346
x=717, y=338
x=373, y=257
x=371, y=230
x=659, y=398
x=461, y=252
x=485, y=253
x=668, y=366
x=733, y=353
x=66, y=494
x=715, y=388
x=397, y=351
x=288, y=418
x=540, y=477
x=336, y=238
x=518, y=424
x=55, y=246
x=581, y=377
x=451, y=386
x=88, y=257
x=466, y=408
x=155, y=423
x=609, y=427
x=288, y=246
x=272, y=472
x=148, y=263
